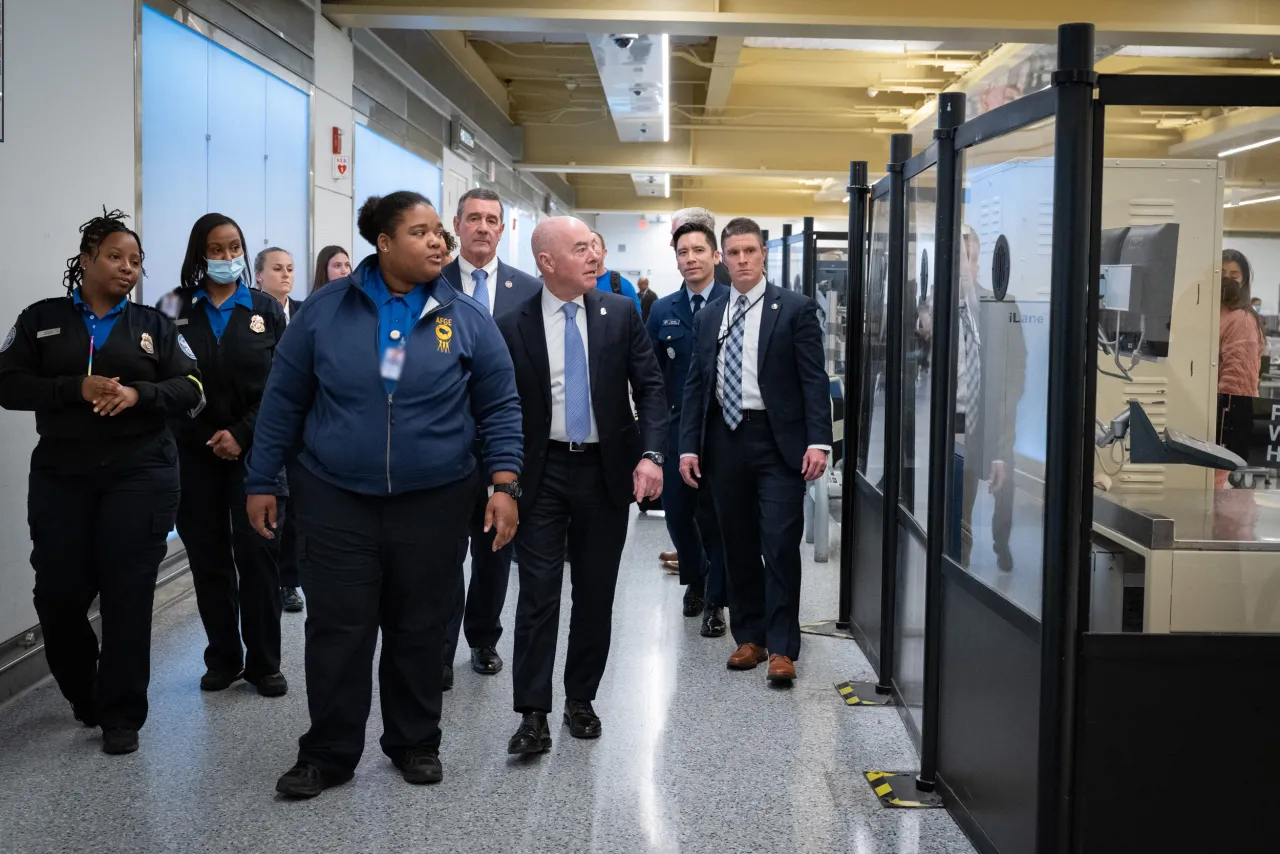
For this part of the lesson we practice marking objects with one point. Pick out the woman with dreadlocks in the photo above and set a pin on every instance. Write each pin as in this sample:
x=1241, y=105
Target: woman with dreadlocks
x=102, y=375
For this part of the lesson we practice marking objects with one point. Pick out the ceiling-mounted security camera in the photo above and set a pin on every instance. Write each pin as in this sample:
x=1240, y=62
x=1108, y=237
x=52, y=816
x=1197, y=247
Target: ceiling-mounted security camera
x=644, y=128
x=637, y=91
x=624, y=41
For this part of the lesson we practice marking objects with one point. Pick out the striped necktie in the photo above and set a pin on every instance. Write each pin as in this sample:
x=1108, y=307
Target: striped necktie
x=732, y=402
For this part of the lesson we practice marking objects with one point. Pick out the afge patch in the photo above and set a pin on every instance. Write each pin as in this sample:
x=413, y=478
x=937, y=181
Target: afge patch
x=444, y=333
x=186, y=348
x=9, y=338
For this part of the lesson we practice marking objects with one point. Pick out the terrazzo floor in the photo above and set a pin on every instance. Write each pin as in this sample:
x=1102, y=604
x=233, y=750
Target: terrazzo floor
x=694, y=758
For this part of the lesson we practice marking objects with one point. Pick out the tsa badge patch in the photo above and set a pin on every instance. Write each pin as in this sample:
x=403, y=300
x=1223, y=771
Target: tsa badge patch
x=147, y=346
x=186, y=348
x=257, y=324
x=444, y=333
x=9, y=338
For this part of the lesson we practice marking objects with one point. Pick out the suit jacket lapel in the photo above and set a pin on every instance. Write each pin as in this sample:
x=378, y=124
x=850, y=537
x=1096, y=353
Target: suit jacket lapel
x=682, y=309
x=533, y=334
x=501, y=293
x=597, y=335
x=768, y=319
x=452, y=273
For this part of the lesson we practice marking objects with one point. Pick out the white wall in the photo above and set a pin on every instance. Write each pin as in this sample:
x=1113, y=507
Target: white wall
x=68, y=150
x=648, y=250
x=1264, y=257
x=334, y=211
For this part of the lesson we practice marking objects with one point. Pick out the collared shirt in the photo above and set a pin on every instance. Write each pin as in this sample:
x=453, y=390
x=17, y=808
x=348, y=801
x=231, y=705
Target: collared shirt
x=751, y=397
x=220, y=315
x=99, y=327
x=285, y=305
x=624, y=284
x=396, y=314
x=553, y=324
x=704, y=293
x=466, y=268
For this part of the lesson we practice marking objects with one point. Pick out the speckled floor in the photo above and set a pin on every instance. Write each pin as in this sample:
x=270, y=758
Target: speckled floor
x=694, y=758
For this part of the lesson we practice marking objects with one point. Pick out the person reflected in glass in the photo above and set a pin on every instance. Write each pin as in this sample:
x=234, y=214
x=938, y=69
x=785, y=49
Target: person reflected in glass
x=990, y=379
x=332, y=263
x=1242, y=342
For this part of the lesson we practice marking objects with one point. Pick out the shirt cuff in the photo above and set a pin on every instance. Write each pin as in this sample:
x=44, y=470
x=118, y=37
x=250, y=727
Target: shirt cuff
x=682, y=456
x=826, y=448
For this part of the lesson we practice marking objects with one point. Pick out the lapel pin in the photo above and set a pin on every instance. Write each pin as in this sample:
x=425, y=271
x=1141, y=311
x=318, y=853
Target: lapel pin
x=774, y=306
x=603, y=310
x=257, y=324
x=508, y=284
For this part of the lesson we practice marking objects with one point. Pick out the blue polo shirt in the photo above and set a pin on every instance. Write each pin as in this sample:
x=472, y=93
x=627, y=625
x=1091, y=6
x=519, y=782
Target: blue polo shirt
x=220, y=315
x=99, y=327
x=628, y=289
x=396, y=314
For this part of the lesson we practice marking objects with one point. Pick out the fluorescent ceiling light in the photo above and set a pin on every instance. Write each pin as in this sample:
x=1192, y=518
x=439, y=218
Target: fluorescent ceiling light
x=1248, y=202
x=1249, y=147
x=666, y=93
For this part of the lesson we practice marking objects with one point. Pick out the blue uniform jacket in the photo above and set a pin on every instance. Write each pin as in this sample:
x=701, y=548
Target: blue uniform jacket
x=327, y=391
x=671, y=329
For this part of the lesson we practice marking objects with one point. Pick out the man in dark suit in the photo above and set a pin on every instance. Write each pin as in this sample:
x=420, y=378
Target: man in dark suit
x=757, y=409
x=691, y=515
x=499, y=288
x=577, y=349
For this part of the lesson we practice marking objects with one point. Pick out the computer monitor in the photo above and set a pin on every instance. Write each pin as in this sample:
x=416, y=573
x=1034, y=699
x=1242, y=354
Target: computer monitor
x=1136, y=279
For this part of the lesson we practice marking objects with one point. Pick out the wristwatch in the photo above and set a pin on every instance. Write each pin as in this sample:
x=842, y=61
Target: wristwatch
x=513, y=489
x=657, y=457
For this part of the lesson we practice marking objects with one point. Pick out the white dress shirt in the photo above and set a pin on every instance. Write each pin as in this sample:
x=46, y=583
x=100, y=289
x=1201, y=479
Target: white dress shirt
x=553, y=325
x=285, y=306
x=466, y=268
x=751, y=397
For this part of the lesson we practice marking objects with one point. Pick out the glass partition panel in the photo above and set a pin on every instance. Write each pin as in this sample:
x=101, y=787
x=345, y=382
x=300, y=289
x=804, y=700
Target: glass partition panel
x=773, y=263
x=917, y=337
x=795, y=267
x=872, y=343
x=996, y=519
x=831, y=293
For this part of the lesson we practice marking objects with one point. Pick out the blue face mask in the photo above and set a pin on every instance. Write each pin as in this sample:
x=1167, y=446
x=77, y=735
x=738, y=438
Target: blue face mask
x=226, y=272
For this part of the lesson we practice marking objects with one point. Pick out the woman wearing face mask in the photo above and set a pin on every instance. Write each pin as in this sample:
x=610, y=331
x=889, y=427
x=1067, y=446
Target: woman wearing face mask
x=332, y=263
x=233, y=331
x=273, y=269
x=386, y=380
x=1242, y=342
x=101, y=374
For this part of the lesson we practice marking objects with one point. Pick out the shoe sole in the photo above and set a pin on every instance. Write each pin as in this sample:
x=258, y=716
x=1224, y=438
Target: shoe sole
x=427, y=780
x=486, y=672
x=585, y=736
x=274, y=692
x=751, y=666
x=298, y=794
x=542, y=747
x=294, y=609
x=219, y=686
x=712, y=633
x=780, y=680
x=119, y=751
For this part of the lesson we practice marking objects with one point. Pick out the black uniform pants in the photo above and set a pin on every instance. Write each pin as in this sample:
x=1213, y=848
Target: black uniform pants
x=693, y=527
x=235, y=571
x=760, y=502
x=572, y=507
x=477, y=607
x=368, y=562
x=288, y=539
x=102, y=533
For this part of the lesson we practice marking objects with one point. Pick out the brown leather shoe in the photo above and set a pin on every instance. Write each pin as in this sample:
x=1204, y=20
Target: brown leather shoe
x=782, y=670
x=671, y=567
x=668, y=556
x=747, y=656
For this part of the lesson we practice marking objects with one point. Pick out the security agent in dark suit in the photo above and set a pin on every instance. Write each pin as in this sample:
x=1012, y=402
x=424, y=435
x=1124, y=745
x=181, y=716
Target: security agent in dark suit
x=757, y=409
x=587, y=456
x=691, y=515
x=498, y=288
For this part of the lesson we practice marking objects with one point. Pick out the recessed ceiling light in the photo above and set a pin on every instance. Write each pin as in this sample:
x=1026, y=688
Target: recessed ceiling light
x=1250, y=147
x=1248, y=202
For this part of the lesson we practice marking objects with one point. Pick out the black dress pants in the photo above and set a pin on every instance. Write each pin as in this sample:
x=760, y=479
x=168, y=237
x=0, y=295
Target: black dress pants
x=760, y=502
x=572, y=515
x=288, y=537
x=235, y=571
x=101, y=532
x=368, y=562
x=477, y=607
x=693, y=527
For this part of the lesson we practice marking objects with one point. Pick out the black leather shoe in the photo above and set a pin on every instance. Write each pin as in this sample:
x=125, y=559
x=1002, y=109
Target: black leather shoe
x=693, y=601
x=214, y=681
x=534, y=736
x=1004, y=558
x=582, y=719
x=119, y=741
x=420, y=766
x=271, y=685
x=446, y=679
x=85, y=713
x=713, y=622
x=306, y=781
x=291, y=600
x=485, y=659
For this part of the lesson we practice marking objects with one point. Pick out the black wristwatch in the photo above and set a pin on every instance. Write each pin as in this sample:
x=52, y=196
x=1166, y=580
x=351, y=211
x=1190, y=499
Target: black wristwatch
x=513, y=489
x=657, y=457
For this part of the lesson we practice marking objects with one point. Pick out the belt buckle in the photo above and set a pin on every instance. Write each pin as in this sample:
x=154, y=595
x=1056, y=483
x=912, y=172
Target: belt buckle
x=577, y=448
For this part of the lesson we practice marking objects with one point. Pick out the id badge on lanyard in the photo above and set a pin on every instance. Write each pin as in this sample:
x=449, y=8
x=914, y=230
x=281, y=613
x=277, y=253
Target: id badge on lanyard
x=392, y=363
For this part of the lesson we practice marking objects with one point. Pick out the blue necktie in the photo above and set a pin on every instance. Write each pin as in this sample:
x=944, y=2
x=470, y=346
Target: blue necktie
x=732, y=402
x=481, y=293
x=577, y=385
x=697, y=303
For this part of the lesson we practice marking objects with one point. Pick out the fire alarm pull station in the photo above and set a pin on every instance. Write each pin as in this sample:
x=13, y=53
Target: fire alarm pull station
x=337, y=140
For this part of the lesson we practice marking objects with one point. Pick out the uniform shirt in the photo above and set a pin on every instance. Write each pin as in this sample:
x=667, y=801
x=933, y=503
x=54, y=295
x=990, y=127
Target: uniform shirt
x=220, y=314
x=466, y=268
x=628, y=289
x=751, y=397
x=396, y=315
x=99, y=327
x=553, y=320
x=704, y=297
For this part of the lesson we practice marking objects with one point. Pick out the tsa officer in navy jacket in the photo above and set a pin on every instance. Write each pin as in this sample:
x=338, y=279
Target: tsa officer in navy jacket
x=691, y=516
x=385, y=380
x=233, y=331
x=497, y=287
x=756, y=420
x=101, y=374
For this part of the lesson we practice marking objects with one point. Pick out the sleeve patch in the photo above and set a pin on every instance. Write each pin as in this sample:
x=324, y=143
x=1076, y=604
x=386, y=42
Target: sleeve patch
x=9, y=338
x=186, y=348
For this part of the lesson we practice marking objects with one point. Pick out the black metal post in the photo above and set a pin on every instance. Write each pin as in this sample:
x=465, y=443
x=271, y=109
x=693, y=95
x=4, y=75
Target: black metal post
x=854, y=328
x=808, y=257
x=899, y=153
x=1064, y=459
x=785, y=249
x=764, y=235
x=942, y=418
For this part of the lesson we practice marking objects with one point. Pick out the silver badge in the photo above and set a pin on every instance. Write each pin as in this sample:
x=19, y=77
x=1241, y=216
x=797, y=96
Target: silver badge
x=671, y=352
x=48, y=333
x=508, y=284
x=603, y=310
x=147, y=347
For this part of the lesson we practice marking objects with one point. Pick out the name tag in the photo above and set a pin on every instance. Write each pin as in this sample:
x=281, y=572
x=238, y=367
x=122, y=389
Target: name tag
x=392, y=364
x=181, y=321
x=674, y=321
x=48, y=333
